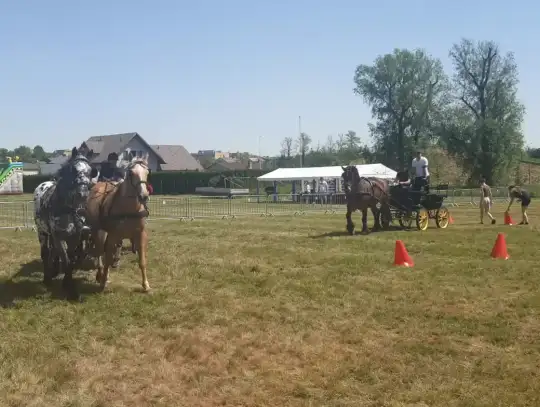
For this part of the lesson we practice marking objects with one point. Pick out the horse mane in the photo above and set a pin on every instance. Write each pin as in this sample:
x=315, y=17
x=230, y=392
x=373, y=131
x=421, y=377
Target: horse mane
x=68, y=163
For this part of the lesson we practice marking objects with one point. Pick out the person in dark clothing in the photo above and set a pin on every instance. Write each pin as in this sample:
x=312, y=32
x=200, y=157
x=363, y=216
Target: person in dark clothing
x=109, y=170
x=519, y=194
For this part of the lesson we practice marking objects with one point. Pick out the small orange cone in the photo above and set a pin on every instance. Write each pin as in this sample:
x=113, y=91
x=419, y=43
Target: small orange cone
x=508, y=219
x=401, y=257
x=451, y=220
x=499, y=250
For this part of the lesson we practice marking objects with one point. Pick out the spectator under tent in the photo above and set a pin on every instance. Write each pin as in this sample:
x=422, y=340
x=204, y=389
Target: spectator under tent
x=306, y=180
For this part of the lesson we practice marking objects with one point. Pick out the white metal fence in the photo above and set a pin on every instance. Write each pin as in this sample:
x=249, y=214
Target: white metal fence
x=19, y=214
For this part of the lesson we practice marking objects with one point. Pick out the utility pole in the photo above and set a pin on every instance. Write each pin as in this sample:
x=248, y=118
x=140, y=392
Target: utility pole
x=301, y=141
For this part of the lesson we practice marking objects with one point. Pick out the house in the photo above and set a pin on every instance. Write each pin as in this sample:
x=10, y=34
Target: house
x=177, y=158
x=212, y=154
x=57, y=153
x=160, y=157
x=120, y=144
x=256, y=163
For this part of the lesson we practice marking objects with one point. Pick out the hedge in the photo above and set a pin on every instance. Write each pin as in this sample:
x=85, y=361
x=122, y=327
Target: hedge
x=173, y=182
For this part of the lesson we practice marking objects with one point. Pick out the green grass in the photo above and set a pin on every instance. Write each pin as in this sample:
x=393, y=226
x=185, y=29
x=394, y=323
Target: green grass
x=281, y=311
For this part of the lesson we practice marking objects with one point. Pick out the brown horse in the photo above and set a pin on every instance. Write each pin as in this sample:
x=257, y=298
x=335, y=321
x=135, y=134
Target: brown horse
x=117, y=211
x=363, y=193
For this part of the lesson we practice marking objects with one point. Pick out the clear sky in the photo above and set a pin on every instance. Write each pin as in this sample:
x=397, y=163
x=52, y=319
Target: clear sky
x=215, y=74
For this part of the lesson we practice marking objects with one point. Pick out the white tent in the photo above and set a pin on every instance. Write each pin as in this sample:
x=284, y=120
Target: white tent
x=310, y=173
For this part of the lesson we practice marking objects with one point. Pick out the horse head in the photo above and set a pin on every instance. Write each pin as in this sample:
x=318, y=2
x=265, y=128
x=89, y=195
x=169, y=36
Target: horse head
x=137, y=172
x=350, y=177
x=74, y=178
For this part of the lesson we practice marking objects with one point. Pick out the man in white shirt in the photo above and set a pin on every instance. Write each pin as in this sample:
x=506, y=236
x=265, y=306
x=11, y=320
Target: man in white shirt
x=420, y=165
x=323, y=190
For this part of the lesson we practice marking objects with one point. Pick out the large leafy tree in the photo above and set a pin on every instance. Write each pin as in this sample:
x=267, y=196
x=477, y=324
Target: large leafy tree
x=483, y=125
x=404, y=89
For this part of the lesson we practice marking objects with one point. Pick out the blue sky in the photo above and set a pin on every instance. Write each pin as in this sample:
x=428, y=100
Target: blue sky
x=219, y=74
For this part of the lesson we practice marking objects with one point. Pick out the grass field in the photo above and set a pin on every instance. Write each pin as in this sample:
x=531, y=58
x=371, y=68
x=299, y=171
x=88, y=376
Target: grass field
x=282, y=311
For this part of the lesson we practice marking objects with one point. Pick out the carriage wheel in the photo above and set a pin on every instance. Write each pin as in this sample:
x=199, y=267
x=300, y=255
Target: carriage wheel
x=405, y=220
x=422, y=219
x=442, y=217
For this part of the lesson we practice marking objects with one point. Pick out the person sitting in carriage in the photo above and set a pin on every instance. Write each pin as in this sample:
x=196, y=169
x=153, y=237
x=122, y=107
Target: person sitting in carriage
x=109, y=169
x=403, y=179
x=420, y=165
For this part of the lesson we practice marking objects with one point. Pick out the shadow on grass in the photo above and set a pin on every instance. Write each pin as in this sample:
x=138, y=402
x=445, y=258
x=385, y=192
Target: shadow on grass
x=358, y=233
x=27, y=283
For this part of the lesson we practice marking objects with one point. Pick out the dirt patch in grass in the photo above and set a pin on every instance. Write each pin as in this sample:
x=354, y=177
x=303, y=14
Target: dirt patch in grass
x=283, y=311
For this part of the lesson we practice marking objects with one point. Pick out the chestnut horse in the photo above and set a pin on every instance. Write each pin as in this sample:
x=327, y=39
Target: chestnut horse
x=117, y=211
x=363, y=193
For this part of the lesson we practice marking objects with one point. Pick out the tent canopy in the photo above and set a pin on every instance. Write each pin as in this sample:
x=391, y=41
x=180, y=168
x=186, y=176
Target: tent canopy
x=309, y=173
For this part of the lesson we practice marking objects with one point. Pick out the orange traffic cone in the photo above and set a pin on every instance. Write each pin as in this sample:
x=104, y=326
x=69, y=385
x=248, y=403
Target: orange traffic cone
x=499, y=250
x=508, y=219
x=451, y=220
x=401, y=257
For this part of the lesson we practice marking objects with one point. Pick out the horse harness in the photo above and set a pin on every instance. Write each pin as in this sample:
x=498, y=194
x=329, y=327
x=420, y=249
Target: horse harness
x=125, y=216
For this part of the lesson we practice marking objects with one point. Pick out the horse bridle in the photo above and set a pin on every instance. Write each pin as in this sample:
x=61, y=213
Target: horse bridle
x=129, y=180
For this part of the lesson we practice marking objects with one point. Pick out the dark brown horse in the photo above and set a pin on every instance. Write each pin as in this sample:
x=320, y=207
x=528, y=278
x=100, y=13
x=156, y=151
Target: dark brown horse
x=363, y=193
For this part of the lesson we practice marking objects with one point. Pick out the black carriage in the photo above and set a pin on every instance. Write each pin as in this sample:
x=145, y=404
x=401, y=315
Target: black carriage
x=409, y=202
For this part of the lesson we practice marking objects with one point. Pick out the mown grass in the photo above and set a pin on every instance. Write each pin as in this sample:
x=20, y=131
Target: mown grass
x=283, y=311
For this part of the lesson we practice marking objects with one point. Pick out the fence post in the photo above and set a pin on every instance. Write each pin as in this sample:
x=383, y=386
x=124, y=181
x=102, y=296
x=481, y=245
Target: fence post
x=229, y=206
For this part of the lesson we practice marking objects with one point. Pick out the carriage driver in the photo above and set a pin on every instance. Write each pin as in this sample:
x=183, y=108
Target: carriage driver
x=109, y=169
x=420, y=165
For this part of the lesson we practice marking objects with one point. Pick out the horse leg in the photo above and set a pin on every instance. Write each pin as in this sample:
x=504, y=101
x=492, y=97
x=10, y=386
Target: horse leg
x=110, y=251
x=364, y=221
x=117, y=254
x=376, y=216
x=46, y=255
x=350, y=224
x=69, y=285
x=142, y=248
x=98, y=238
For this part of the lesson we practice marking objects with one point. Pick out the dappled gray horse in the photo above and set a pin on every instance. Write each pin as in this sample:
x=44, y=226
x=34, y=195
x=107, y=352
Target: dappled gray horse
x=59, y=217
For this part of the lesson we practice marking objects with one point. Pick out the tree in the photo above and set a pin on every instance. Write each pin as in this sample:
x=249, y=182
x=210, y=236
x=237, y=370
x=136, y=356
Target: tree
x=302, y=144
x=352, y=141
x=403, y=89
x=39, y=153
x=286, y=147
x=483, y=126
x=24, y=153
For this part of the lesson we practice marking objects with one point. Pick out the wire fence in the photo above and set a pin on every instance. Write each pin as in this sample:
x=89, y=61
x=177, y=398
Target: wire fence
x=20, y=214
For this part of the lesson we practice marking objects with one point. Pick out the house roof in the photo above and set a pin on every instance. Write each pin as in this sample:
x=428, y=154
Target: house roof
x=114, y=143
x=176, y=158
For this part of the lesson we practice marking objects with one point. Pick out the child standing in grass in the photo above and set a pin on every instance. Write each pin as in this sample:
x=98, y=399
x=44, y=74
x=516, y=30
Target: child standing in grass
x=520, y=194
x=486, y=200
